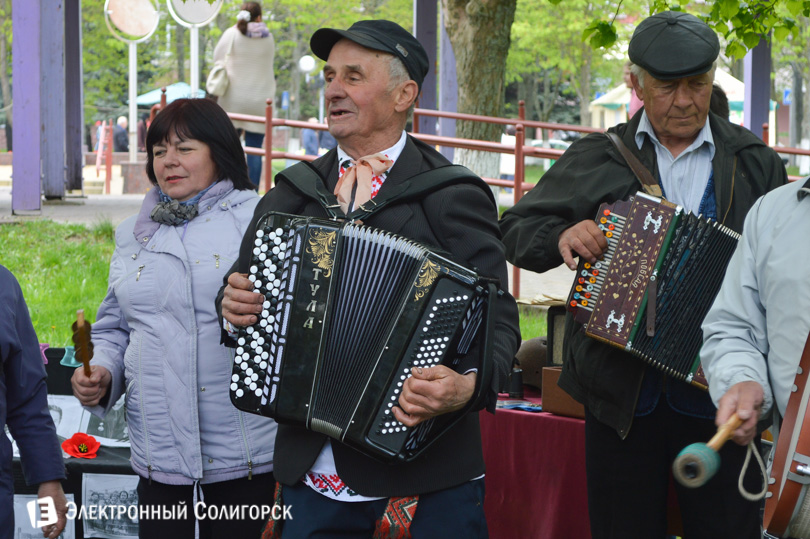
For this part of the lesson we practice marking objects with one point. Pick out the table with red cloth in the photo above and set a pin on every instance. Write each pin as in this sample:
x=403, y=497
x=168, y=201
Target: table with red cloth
x=535, y=475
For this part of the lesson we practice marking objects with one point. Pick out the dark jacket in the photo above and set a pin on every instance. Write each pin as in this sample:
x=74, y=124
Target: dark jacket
x=23, y=400
x=120, y=139
x=606, y=379
x=460, y=220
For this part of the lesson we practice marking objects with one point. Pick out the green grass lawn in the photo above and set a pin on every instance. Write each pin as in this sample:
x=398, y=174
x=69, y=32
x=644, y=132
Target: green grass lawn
x=61, y=268
x=533, y=322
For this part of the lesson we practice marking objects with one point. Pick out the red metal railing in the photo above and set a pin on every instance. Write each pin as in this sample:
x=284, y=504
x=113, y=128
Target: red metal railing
x=520, y=150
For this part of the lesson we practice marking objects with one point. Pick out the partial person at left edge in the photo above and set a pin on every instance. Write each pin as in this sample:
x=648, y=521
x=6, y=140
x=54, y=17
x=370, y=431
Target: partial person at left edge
x=156, y=335
x=24, y=408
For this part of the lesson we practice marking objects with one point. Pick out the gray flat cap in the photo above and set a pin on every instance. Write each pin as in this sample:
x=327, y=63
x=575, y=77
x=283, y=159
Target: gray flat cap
x=674, y=45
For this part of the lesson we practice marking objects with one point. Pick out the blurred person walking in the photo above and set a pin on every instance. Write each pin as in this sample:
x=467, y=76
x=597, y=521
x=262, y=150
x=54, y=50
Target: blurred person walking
x=247, y=50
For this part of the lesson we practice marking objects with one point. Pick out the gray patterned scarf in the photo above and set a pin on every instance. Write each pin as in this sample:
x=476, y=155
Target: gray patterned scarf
x=172, y=212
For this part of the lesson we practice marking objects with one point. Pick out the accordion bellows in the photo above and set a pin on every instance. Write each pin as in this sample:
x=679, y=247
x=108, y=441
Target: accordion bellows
x=349, y=311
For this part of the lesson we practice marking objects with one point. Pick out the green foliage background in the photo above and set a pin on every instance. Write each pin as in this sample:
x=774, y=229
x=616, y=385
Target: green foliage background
x=164, y=58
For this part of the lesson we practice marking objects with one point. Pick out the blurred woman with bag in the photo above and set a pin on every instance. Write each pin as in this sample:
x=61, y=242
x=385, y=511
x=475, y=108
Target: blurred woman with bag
x=247, y=51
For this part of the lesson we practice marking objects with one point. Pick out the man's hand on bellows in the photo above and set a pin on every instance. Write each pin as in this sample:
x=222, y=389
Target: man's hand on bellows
x=583, y=239
x=433, y=391
x=746, y=399
x=240, y=304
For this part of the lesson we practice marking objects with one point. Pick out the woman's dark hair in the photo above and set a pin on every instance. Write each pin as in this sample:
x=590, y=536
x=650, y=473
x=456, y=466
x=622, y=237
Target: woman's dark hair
x=255, y=10
x=203, y=120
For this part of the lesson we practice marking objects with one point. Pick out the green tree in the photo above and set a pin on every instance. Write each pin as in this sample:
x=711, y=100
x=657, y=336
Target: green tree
x=740, y=22
x=105, y=64
x=548, y=53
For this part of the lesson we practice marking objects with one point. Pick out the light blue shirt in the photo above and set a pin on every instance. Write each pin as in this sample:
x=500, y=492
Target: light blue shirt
x=683, y=178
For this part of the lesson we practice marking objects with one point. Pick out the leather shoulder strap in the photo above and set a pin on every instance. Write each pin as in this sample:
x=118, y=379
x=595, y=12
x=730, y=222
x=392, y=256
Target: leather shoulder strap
x=307, y=181
x=648, y=183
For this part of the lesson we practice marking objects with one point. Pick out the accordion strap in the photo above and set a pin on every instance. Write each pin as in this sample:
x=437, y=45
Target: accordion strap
x=308, y=182
x=644, y=176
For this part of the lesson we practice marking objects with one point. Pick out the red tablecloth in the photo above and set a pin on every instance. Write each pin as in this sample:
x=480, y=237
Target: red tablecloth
x=535, y=475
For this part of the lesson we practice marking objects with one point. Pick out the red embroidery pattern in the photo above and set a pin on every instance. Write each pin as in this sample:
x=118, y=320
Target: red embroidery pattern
x=396, y=520
x=330, y=483
x=272, y=530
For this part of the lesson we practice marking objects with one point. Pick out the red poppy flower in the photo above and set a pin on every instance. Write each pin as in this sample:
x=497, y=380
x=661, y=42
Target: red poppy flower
x=81, y=445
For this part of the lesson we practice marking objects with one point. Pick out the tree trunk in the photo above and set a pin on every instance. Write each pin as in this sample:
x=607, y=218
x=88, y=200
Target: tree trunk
x=527, y=92
x=479, y=31
x=296, y=76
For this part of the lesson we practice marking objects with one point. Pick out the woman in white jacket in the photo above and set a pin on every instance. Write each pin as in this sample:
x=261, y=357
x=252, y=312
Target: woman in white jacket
x=247, y=50
x=157, y=339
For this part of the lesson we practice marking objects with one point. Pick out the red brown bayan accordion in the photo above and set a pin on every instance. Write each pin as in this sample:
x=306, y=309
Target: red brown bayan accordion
x=349, y=311
x=656, y=282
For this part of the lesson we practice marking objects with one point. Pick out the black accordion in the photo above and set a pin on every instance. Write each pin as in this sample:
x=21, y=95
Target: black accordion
x=656, y=282
x=348, y=312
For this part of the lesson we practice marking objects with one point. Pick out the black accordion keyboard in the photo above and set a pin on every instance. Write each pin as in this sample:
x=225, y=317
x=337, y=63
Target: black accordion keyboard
x=348, y=312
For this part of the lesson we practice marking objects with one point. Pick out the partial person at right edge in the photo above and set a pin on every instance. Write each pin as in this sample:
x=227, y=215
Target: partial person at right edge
x=757, y=327
x=247, y=50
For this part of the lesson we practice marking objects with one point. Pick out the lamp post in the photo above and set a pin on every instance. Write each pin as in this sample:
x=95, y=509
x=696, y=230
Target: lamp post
x=306, y=64
x=192, y=15
x=132, y=21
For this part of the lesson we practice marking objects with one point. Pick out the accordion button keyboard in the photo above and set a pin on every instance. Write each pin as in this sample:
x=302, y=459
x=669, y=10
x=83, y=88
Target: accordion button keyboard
x=254, y=342
x=592, y=276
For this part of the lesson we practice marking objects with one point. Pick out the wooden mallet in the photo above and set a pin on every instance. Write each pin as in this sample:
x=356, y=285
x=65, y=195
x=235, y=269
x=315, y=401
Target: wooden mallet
x=697, y=463
x=82, y=342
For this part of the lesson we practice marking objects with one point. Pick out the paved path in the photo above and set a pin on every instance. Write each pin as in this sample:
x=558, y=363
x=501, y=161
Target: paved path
x=87, y=210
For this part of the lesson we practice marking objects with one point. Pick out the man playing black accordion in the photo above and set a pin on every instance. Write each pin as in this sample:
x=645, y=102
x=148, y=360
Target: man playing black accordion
x=374, y=71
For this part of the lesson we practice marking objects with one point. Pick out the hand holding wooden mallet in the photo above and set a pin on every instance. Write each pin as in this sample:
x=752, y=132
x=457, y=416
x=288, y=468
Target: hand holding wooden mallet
x=82, y=342
x=697, y=463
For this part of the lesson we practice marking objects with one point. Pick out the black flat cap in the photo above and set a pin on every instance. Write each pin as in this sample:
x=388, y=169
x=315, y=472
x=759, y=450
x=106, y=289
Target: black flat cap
x=674, y=45
x=378, y=35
